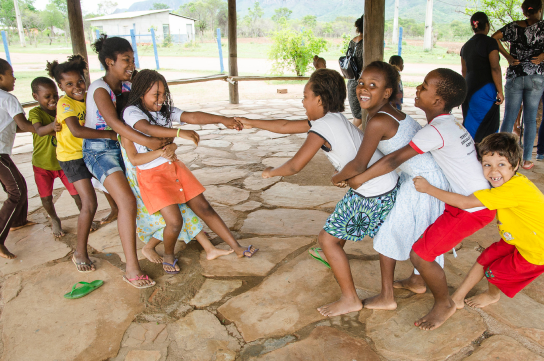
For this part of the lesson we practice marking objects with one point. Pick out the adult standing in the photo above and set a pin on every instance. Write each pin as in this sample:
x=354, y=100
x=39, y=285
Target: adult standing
x=524, y=77
x=356, y=44
x=482, y=71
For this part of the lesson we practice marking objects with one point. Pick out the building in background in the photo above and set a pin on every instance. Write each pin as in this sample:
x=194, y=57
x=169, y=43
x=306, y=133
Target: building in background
x=180, y=28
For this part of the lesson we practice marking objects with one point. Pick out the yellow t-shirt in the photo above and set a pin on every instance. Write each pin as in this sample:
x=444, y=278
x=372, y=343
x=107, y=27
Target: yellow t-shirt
x=68, y=146
x=520, y=215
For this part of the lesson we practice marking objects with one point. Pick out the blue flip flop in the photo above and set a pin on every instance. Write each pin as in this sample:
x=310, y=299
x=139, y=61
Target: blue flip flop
x=248, y=250
x=173, y=265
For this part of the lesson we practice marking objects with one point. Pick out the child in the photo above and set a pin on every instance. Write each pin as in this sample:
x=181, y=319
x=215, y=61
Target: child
x=165, y=183
x=518, y=258
x=363, y=210
x=398, y=63
x=44, y=156
x=12, y=119
x=388, y=130
x=453, y=149
x=71, y=116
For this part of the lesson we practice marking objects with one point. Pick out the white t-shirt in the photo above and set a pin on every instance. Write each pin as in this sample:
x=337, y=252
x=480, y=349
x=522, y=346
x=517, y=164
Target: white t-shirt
x=345, y=140
x=9, y=108
x=93, y=117
x=133, y=114
x=453, y=149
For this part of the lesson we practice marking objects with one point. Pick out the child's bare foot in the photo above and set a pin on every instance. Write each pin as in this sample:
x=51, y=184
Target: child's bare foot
x=438, y=315
x=483, y=299
x=413, y=283
x=109, y=218
x=83, y=263
x=94, y=226
x=57, y=229
x=5, y=253
x=341, y=307
x=28, y=223
x=138, y=280
x=216, y=253
x=245, y=252
x=151, y=254
x=380, y=302
x=169, y=264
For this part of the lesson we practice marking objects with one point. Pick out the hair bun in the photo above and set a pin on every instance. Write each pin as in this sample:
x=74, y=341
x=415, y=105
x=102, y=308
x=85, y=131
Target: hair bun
x=99, y=43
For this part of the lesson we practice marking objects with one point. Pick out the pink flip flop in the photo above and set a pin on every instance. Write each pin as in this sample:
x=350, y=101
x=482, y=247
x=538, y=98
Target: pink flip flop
x=527, y=167
x=139, y=278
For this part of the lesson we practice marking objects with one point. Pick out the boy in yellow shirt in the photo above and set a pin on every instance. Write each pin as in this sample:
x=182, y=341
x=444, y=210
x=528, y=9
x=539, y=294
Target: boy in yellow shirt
x=518, y=258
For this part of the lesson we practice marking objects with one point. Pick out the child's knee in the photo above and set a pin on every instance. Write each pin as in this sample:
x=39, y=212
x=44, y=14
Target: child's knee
x=416, y=260
x=46, y=201
x=89, y=206
x=325, y=239
x=176, y=224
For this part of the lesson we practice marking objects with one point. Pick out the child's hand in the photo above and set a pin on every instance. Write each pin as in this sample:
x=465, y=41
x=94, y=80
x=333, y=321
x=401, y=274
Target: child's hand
x=57, y=127
x=169, y=151
x=341, y=184
x=111, y=134
x=421, y=184
x=232, y=123
x=266, y=172
x=191, y=135
x=245, y=122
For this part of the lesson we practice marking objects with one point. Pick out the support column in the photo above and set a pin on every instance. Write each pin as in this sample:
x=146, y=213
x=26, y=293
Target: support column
x=428, y=39
x=234, y=97
x=19, y=23
x=396, y=23
x=77, y=34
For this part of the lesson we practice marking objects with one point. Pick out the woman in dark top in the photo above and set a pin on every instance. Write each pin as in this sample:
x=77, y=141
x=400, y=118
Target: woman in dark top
x=524, y=77
x=357, y=44
x=481, y=69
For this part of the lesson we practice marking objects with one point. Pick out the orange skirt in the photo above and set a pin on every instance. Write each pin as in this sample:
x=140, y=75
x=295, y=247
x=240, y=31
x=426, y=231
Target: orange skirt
x=170, y=183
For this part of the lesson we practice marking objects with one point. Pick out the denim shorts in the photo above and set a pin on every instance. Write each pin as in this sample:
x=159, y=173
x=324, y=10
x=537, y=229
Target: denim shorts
x=103, y=157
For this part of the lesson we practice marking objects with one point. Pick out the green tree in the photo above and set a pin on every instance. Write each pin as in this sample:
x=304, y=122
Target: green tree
x=159, y=6
x=52, y=17
x=309, y=21
x=280, y=13
x=294, y=50
x=106, y=7
x=253, y=16
x=500, y=12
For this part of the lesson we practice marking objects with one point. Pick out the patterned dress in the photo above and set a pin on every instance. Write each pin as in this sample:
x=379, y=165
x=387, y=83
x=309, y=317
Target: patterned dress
x=413, y=212
x=152, y=225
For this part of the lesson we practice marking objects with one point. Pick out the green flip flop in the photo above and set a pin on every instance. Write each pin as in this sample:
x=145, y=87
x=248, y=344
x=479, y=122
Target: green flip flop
x=84, y=290
x=318, y=257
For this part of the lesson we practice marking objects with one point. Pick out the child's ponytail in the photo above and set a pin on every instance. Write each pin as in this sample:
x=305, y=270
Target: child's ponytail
x=478, y=21
x=75, y=63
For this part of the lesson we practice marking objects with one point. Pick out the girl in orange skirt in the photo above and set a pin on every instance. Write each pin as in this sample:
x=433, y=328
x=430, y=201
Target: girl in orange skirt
x=164, y=181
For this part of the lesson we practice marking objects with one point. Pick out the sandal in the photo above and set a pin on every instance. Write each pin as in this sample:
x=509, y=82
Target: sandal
x=248, y=250
x=529, y=166
x=318, y=257
x=84, y=290
x=139, y=278
x=173, y=265
x=90, y=264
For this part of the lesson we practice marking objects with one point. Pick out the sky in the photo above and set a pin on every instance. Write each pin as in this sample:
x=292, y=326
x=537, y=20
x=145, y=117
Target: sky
x=87, y=6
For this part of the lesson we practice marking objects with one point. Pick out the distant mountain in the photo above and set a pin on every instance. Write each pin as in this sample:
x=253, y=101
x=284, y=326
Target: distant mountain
x=328, y=10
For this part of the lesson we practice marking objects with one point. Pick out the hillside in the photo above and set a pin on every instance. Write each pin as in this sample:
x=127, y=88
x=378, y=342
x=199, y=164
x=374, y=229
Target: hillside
x=328, y=10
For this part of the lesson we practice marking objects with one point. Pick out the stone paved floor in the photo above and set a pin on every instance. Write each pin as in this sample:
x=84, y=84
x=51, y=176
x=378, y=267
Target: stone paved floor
x=262, y=308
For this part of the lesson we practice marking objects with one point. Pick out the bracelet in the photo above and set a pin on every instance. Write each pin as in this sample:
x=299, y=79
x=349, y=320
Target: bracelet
x=178, y=132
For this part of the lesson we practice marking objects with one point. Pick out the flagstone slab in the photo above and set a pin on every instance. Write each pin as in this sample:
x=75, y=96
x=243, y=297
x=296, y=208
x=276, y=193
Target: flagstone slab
x=272, y=135
x=90, y=328
x=294, y=196
x=213, y=291
x=284, y=302
x=200, y=336
x=248, y=206
x=215, y=143
x=396, y=337
x=272, y=250
x=257, y=182
x=227, y=215
x=66, y=206
x=239, y=146
x=226, y=195
x=274, y=162
x=502, y=348
x=522, y=313
x=364, y=248
x=221, y=162
x=221, y=175
x=106, y=240
x=323, y=344
x=143, y=355
x=285, y=222
x=367, y=274
x=33, y=246
x=212, y=152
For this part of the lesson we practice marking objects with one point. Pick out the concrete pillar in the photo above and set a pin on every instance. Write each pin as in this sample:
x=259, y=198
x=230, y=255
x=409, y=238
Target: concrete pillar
x=428, y=39
x=395, y=39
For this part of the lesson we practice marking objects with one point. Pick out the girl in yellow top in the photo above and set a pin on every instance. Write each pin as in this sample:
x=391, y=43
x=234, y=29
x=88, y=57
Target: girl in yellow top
x=518, y=258
x=71, y=115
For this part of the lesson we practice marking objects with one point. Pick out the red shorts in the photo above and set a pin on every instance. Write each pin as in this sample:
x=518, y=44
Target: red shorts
x=45, y=179
x=449, y=230
x=170, y=183
x=506, y=268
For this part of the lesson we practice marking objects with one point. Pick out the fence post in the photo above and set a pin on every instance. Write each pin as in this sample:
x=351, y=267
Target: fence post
x=220, y=50
x=155, y=47
x=135, y=48
x=400, y=41
x=97, y=33
x=6, y=49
